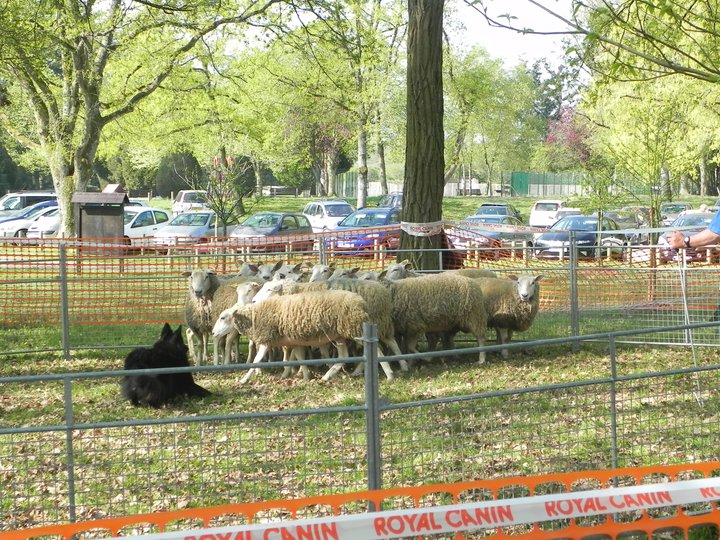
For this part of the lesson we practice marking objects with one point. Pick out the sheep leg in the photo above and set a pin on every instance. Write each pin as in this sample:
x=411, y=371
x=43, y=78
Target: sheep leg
x=217, y=344
x=231, y=341
x=503, y=337
x=395, y=349
x=299, y=354
x=481, y=342
x=384, y=365
x=193, y=351
x=343, y=352
x=261, y=351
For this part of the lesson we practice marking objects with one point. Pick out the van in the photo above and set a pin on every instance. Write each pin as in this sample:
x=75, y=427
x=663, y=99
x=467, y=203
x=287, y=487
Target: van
x=22, y=199
x=189, y=199
x=544, y=213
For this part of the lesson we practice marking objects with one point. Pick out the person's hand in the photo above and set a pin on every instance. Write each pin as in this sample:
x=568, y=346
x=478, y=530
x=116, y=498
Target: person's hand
x=676, y=240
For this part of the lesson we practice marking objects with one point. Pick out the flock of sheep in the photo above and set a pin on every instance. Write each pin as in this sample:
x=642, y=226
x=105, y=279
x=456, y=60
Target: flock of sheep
x=293, y=308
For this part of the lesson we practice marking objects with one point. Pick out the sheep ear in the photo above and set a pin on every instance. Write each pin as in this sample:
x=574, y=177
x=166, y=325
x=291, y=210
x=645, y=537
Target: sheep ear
x=512, y=277
x=211, y=272
x=297, y=267
x=253, y=267
x=538, y=277
x=186, y=274
x=382, y=274
x=277, y=266
x=354, y=271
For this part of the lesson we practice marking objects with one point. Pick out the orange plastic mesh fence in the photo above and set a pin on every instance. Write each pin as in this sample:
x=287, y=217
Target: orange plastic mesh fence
x=678, y=520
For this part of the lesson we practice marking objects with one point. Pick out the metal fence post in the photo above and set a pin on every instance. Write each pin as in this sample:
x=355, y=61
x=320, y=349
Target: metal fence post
x=64, y=305
x=574, y=296
x=613, y=402
x=372, y=420
x=69, y=451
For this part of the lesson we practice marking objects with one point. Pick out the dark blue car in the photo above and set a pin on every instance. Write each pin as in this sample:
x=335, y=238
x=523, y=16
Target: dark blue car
x=366, y=230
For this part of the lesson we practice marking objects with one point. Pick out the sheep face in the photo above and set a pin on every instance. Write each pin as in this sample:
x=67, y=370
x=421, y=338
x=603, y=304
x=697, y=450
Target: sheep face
x=271, y=288
x=344, y=273
x=246, y=292
x=321, y=272
x=398, y=271
x=266, y=271
x=527, y=286
x=287, y=271
x=224, y=323
x=201, y=282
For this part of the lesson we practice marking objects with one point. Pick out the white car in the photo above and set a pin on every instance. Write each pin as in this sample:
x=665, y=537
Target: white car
x=46, y=226
x=189, y=199
x=142, y=221
x=325, y=214
x=187, y=228
x=18, y=228
x=544, y=213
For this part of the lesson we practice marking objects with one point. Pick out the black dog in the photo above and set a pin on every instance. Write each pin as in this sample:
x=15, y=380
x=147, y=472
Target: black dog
x=158, y=389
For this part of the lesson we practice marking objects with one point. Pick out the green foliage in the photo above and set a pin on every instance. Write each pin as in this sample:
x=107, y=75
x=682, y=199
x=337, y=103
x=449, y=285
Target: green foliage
x=176, y=172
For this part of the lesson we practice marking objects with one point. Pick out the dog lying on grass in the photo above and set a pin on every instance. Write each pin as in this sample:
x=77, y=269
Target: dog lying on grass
x=157, y=390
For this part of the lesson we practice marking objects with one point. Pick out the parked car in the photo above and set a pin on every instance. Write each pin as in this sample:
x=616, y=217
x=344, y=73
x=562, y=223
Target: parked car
x=493, y=231
x=46, y=226
x=629, y=219
x=644, y=211
x=544, y=213
x=691, y=222
x=670, y=211
x=383, y=231
x=189, y=199
x=325, y=214
x=590, y=242
x=275, y=232
x=142, y=221
x=28, y=211
x=187, y=228
x=18, y=227
x=22, y=199
x=498, y=209
x=391, y=200
x=137, y=202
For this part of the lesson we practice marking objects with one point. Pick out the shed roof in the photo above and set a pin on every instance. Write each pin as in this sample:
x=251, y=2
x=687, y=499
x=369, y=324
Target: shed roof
x=92, y=197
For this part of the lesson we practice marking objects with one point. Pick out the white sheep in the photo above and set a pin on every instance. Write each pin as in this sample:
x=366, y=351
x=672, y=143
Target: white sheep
x=300, y=320
x=225, y=298
x=473, y=272
x=377, y=299
x=202, y=285
x=438, y=303
x=396, y=271
x=511, y=304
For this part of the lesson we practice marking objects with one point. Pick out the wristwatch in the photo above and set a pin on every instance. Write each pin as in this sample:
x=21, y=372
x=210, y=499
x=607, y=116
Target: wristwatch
x=687, y=241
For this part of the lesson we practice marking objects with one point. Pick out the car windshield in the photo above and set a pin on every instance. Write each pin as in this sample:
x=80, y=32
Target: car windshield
x=128, y=217
x=493, y=210
x=262, y=221
x=365, y=219
x=673, y=208
x=546, y=206
x=195, y=198
x=693, y=221
x=576, y=223
x=486, y=218
x=34, y=212
x=338, y=210
x=196, y=220
x=10, y=203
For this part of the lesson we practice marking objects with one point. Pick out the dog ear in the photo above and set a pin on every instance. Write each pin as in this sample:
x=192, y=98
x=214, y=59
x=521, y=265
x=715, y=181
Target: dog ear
x=166, y=332
x=177, y=336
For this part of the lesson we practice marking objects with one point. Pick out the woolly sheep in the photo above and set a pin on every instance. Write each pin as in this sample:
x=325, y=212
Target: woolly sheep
x=225, y=298
x=303, y=319
x=511, y=304
x=438, y=303
x=473, y=272
x=396, y=271
x=377, y=299
x=198, y=305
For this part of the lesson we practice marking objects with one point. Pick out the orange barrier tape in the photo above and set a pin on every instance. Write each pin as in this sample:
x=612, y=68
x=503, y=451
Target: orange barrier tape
x=642, y=520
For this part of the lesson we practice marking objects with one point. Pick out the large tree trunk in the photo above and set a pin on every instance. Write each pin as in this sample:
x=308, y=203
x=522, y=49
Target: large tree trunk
x=424, y=151
x=704, y=176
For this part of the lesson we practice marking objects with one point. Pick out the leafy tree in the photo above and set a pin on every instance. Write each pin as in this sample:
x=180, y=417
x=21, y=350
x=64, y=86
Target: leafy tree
x=83, y=65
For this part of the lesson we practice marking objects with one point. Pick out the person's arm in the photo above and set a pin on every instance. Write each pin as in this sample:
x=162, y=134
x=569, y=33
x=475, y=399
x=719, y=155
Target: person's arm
x=706, y=237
